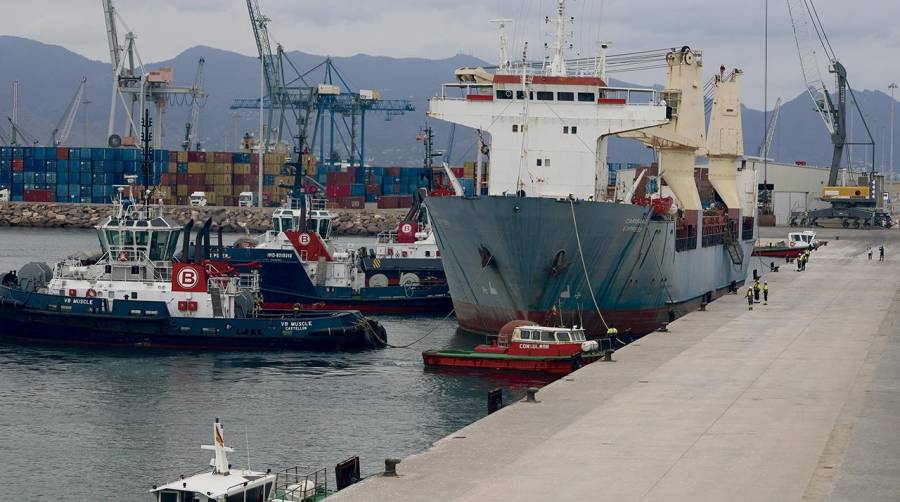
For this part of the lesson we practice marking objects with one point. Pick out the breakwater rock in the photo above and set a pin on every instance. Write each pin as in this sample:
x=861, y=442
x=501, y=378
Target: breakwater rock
x=358, y=222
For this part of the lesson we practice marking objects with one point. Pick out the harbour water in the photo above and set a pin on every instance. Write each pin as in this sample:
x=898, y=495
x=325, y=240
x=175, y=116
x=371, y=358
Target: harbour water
x=78, y=422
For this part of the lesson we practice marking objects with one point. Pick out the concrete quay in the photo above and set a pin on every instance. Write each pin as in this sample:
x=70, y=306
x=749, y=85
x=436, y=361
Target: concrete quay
x=795, y=400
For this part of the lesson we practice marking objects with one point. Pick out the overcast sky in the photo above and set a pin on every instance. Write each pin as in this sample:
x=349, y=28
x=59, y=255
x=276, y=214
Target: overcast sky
x=864, y=33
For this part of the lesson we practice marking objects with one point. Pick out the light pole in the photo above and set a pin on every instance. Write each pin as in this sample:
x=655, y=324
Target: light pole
x=892, y=87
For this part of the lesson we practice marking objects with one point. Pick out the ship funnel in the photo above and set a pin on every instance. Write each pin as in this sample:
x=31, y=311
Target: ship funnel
x=186, y=241
x=725, y=142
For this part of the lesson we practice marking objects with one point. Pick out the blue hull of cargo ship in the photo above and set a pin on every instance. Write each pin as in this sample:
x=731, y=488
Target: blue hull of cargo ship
x=509, y=258
x=42, y=318
x=284, y=282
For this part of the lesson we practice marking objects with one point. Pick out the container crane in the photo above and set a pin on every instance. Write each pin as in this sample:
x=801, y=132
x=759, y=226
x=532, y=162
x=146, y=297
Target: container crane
x=133, y=85
x=291, y=101
x=63, y=129
x=763, y=151
x=854, y=205
x=30, y=139
x=190, y=129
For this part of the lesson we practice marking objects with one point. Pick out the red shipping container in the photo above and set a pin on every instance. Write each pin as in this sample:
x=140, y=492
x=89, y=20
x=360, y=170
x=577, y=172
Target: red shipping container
x=340, y=179
x=336, y=191
x=393, y=171
x=404, y=201
x=181, y=178
x=18, y=165
x=254, y=159
x=373, y=189
x=459, y=172
x=173, y=156
x=39, y=196
x=352, y=202
x=62, y=154
x=387, y=202
x=196, y=156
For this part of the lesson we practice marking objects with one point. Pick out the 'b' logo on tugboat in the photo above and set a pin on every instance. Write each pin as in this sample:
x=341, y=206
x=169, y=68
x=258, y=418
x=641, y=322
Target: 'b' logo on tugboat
x=304, y=239
x=188, y=277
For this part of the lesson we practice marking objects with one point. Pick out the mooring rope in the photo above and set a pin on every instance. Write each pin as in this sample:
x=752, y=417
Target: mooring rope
x=584, y=266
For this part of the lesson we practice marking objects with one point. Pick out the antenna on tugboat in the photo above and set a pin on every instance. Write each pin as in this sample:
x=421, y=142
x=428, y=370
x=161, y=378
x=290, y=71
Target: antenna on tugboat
x=147, y=149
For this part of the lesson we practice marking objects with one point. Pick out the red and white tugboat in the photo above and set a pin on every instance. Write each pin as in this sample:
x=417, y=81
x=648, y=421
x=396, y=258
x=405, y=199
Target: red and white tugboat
x=523, y=346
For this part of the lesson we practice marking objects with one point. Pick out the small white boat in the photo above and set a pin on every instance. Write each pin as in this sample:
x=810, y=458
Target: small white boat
x=225, y=483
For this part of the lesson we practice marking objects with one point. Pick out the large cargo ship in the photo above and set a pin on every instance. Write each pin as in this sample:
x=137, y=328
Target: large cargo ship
x=548, y=244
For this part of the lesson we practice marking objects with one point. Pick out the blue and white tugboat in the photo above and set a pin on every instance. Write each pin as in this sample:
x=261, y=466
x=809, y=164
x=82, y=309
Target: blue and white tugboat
x=137, y=295
x=299, y=264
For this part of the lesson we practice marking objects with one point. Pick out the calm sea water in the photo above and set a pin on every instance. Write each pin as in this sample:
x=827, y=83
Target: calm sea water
x=89, y=424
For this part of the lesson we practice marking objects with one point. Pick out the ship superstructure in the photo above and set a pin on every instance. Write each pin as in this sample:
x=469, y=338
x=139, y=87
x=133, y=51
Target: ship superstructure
x=547, y=241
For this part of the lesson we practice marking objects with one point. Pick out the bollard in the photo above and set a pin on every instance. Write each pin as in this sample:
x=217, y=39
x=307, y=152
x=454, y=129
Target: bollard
x=607, y=356
x=664, y=328
x=702, y=306
x=495, y=400
x=390, y=467
x=530, y=395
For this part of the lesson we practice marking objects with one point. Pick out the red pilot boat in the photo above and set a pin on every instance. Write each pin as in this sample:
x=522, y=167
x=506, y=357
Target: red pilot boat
x=524, y=347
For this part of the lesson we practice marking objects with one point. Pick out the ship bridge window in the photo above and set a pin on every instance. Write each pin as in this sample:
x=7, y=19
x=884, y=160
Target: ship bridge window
x=565, y=96
x=504, y=94
x=547, y=337
x=324, y=228
x=525, y=334
x=544, y=96
x=586, y=97
x=521, y=95
x=563, y=336
x=163, y=245
x=578, y=336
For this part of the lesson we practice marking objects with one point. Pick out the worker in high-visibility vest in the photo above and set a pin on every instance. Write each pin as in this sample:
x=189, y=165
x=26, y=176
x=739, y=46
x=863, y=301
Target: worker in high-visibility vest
x=612, y=333
x=766, y=293
x=756, y=289
x=750, y=298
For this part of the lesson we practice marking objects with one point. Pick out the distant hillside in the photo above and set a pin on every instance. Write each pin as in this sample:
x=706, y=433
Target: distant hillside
x=49, y=75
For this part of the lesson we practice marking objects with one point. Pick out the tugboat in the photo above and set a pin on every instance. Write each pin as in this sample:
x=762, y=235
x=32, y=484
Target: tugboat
x=137, y=295
x=225, y=483
x=299, y=264
x=528, y=347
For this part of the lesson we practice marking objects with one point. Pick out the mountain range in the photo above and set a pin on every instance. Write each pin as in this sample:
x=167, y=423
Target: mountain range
x=48, y=76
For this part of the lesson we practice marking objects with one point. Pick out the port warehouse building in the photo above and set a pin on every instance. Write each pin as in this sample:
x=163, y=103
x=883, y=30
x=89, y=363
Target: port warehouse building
x=795, y=187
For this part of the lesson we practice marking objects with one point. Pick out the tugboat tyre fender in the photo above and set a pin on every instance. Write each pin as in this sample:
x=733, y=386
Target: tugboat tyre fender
x=91, y=293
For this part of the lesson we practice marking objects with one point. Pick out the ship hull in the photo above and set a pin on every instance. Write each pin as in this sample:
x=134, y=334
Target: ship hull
x=521, y=260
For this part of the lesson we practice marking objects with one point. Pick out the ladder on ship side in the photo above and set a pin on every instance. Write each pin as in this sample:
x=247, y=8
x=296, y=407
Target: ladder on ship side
x=216, y=296
x=732, y=245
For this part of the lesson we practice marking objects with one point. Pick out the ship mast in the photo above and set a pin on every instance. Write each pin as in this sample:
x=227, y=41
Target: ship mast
x=558, y=66
x=503, y=63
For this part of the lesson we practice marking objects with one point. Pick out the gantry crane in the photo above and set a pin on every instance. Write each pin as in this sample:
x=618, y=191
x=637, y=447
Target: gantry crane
x=191, y=136
x=132, y=85
x=63, y=129
x=857, y=205
x=291, y=101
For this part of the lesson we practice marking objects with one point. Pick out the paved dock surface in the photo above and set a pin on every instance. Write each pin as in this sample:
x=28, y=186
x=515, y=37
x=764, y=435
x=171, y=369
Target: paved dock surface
x=796, y=400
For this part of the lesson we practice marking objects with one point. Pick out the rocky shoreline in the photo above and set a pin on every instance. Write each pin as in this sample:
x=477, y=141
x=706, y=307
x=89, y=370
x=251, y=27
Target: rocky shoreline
x=353, y=222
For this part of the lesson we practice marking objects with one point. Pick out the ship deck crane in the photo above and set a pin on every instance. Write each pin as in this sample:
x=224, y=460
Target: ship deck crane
x=852, y=205
x=63, y=129
x=191, y=128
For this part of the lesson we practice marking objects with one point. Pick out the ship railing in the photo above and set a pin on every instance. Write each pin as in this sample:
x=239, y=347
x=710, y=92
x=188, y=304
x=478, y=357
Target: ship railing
x=632, y=96
x=299, y=484
x=387, y=237
x=234, y=285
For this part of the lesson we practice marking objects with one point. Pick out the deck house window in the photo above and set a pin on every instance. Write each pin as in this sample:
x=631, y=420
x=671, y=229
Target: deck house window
x=565, y=96
x=504, y=94
x=521, y=95
x=586, y=97
x=574, y=129
x=540, y=162
x=544, y=96
x=547, y=337
x=515, y=127
x=565, y=129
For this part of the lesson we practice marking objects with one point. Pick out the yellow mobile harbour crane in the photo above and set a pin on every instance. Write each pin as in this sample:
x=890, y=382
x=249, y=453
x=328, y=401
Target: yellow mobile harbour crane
x=858, y=204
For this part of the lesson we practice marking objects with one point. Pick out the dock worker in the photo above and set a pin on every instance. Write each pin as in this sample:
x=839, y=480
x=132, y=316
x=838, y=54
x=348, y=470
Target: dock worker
x=870, y=253
x=881, y=252
x=750, y=298
x=799, y=263
x=756, y=289
x=765, y=292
